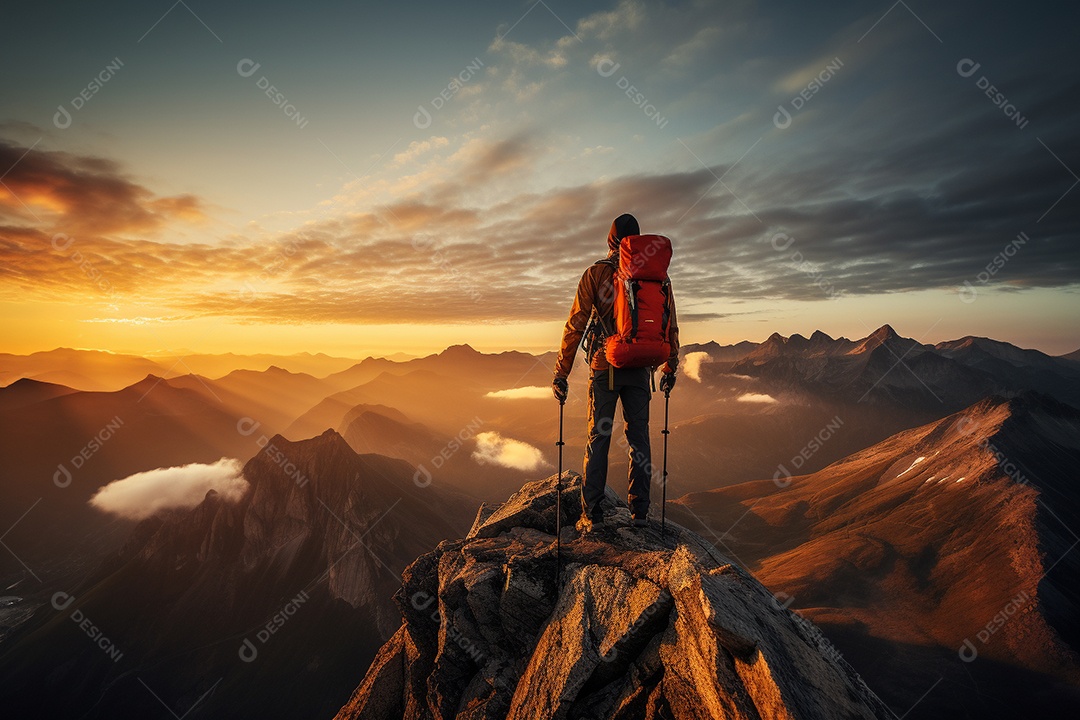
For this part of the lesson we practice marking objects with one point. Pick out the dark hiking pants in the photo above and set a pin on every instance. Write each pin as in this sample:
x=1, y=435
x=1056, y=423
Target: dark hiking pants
x=632, y=388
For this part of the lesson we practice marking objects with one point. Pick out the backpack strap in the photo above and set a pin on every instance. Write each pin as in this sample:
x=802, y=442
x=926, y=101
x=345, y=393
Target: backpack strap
x=665, y=288
x=613, y=263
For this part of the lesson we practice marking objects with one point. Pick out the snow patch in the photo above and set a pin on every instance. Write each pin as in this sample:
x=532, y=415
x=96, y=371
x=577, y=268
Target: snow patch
x=917, y=461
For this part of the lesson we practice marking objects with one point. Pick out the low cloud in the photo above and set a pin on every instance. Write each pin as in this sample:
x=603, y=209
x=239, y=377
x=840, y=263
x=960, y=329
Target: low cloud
x=692, y=364
x=141, y=495
x=494, y=449
x=533, y=392
x=756, y=398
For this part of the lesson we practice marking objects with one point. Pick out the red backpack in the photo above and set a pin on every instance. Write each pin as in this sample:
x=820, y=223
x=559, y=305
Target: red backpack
x=641, y=336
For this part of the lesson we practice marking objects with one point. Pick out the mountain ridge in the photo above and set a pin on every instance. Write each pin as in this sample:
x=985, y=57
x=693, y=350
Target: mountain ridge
x=891, y=544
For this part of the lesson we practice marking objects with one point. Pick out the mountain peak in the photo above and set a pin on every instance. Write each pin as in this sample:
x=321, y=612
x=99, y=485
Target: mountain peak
x=464, y=350
x=25, y=383
x=147, y=384
x=638, y=624
x=881, y=336
x=885, y=332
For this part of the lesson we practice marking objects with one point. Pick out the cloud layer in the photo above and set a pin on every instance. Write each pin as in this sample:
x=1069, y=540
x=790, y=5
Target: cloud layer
x=494, y=449
x=141, y=495
x=899, y=175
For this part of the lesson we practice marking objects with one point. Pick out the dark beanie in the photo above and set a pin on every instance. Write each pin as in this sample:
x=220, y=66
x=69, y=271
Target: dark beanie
x=624, y=226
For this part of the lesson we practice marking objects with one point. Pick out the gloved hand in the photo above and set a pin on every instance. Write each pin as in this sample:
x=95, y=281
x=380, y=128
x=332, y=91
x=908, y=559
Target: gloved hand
x=560, y=388
x=667, y=381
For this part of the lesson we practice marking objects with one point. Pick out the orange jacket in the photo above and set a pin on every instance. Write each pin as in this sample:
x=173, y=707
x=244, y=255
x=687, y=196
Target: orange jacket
x=596, y=289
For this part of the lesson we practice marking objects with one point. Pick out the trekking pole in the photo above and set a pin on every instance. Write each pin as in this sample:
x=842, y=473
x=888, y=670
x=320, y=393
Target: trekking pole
x=663, y=506
x=558, y=503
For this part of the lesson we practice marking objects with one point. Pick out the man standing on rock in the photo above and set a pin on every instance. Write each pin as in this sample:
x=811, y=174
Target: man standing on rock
x=594, y=318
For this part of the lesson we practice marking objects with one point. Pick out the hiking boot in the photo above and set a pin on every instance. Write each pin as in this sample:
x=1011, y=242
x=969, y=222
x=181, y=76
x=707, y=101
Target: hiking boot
x=641, y=522
x=589, y=523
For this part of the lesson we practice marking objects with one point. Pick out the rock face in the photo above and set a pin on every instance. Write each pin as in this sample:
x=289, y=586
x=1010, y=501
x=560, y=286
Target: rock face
x=642, y=626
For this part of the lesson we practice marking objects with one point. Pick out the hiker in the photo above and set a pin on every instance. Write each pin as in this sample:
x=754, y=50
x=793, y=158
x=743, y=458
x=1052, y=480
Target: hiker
x=609, y=325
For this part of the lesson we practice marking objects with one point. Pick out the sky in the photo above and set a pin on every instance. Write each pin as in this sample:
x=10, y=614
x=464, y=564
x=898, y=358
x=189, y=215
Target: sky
x=366, y=178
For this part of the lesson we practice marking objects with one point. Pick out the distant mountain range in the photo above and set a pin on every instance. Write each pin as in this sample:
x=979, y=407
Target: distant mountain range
x=754, y=411
x=104, y=371
x=895, y=492
x=888, y=369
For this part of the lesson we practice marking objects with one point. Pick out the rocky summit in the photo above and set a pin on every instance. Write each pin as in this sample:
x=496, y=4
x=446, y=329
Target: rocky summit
x=638, y=624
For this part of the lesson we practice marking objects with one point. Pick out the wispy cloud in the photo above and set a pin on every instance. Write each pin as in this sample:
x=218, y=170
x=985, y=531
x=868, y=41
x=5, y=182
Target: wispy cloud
x=761, y=398
x=534, y=392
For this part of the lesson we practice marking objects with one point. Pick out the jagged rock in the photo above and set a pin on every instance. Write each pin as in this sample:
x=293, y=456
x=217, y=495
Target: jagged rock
x=641, y=625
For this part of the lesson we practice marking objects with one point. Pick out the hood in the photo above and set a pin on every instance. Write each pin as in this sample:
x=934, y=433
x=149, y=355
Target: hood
x=624, y=226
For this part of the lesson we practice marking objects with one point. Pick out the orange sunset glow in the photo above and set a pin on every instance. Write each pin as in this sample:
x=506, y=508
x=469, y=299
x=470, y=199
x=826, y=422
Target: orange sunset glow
x=539, y=360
